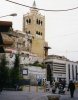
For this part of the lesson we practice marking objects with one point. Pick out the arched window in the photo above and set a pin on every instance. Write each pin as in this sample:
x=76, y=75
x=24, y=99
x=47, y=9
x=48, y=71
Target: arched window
x=29, y=32
x=29, y=20
x=41, y=33
x=36, y=32
x=37, y=21
x=41, y=22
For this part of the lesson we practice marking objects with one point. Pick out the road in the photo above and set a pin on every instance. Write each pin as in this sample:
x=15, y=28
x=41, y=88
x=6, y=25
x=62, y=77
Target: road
x=67, y=96
x=22, y=95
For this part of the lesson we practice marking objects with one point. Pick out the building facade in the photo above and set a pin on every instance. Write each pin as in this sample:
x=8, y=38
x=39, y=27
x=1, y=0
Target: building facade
x=62, y=68
x=20, y=45
x=72, y=71
x=34, y=26
x=29, y=43
x=34, y=73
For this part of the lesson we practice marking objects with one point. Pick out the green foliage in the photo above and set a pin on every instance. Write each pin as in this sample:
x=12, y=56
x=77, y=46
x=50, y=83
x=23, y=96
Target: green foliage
x=9, y=77
x=4, y=72
x=15, y=72
x=17, y=61
x=49, y=74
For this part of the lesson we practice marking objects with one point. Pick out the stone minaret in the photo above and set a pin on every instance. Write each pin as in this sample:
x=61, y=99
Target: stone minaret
x=34, y=27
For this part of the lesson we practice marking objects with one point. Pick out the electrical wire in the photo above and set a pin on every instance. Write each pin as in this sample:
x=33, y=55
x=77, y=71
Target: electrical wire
x=61, y=10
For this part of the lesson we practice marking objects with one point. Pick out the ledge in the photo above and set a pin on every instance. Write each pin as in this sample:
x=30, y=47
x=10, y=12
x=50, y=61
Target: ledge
x=53, y=96
x=7, y=40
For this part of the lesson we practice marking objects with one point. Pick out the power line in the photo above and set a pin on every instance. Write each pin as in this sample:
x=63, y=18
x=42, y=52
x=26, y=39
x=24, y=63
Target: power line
x=61, y=10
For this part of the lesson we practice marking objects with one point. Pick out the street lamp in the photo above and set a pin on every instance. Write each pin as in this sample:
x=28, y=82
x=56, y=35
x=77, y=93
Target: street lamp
x=13, y=14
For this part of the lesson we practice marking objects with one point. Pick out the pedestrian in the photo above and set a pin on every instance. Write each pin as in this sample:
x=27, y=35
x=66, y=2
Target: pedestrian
x=63, y=83
x=71, y=88
x=53, y=89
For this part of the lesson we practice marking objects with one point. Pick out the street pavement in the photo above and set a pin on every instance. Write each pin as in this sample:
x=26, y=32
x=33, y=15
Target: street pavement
x=67, y=96
x=22, y=95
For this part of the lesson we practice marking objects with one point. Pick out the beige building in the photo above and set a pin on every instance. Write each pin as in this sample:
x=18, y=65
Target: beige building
x=62, y=68
x=19, y=39
x=34, y=27
x=31, y=41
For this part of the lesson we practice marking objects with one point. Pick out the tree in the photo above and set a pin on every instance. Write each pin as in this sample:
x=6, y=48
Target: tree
x=15, y=72
x=3, y=72
x=49, y=74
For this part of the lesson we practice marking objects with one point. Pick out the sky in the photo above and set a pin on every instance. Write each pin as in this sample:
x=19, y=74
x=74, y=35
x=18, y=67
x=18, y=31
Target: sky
x=61, y=28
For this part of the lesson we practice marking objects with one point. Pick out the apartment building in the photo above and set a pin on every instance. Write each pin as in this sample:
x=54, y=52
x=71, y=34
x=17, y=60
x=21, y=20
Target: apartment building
x=62, y=68
x=71, y=71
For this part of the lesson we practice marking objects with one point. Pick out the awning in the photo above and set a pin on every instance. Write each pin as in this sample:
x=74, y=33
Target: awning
x=6, y=23
x=5, y=39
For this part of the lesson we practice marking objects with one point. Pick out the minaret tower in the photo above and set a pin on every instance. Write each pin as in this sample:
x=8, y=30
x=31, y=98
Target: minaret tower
x=34, y=26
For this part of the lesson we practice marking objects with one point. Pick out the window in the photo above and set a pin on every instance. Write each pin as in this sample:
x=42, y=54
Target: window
x=41, y=33
x=76, y=71
x=39, y=22
x=72, y=72
x=28, y=21
x=69, y=71
x=25, y=71
x=28, y=32
x=38, y=34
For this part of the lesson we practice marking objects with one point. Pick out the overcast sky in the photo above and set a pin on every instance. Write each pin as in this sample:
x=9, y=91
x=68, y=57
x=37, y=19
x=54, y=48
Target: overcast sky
x=61, y=28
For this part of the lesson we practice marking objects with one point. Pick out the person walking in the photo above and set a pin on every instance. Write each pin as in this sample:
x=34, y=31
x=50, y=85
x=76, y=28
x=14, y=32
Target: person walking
x=71, y=88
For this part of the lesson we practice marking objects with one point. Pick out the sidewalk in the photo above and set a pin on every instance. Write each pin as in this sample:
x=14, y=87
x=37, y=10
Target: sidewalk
x=35, y=89
x=22, y=95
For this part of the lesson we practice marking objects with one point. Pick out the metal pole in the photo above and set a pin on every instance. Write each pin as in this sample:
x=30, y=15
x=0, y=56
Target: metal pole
x=14, y=14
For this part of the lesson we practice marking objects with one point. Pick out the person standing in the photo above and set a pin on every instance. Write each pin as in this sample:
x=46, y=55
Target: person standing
x=71, y=88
